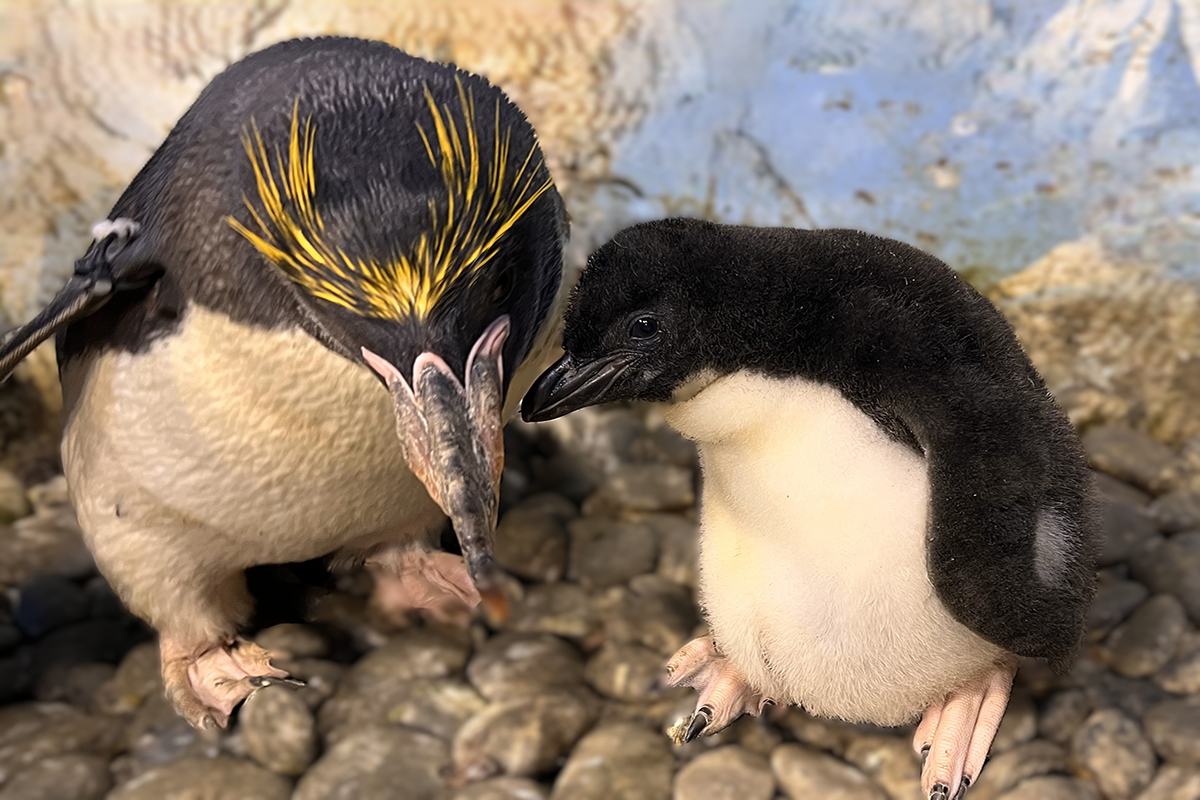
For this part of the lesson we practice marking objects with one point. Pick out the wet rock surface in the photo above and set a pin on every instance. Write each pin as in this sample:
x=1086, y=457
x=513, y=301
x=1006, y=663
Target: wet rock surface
x=563, y=699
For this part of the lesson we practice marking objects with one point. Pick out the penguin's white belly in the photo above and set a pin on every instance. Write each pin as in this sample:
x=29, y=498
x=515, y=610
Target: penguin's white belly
x=241, y=445
x=813, y=570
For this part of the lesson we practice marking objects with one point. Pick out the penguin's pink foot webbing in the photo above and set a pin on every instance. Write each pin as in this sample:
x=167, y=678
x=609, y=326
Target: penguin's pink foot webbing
x=205, y=687
x=954, y=737
x=724, y=693
x=435, y=582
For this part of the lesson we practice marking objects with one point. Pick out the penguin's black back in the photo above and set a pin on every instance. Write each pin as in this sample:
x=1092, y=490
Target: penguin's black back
x=1013, y=535
x=366, y=102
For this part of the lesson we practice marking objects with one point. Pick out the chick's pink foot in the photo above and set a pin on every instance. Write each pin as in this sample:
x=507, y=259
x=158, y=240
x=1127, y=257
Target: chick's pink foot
x=724, y=693
x=954, y=737
x=205, y=687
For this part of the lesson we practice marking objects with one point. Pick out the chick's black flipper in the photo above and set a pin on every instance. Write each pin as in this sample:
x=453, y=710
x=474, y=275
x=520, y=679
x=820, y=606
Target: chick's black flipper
x=1012, y=535
x=1012, y=542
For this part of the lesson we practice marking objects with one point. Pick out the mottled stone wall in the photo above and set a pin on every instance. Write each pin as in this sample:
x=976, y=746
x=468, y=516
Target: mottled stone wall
x=986, y=132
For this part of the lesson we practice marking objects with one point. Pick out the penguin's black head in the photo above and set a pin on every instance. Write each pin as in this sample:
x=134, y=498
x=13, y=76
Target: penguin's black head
x=409, y=206
x=642, y=322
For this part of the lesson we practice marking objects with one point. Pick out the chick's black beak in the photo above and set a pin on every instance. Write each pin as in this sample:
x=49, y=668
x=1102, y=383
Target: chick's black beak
x=452, y=437
x=569, y=386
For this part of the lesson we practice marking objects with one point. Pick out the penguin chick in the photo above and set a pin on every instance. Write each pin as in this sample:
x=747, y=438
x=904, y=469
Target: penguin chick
x=336, y=244
x=894, y=508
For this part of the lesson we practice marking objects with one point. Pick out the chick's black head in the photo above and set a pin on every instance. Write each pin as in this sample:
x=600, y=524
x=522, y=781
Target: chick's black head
x=638, y=321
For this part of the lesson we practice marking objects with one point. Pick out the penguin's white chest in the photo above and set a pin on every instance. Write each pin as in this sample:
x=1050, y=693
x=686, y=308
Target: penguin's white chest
x=813, y=571
x=283, y=449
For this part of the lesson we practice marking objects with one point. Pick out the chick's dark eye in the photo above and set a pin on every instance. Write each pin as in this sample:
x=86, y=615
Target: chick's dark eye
x=643, y=328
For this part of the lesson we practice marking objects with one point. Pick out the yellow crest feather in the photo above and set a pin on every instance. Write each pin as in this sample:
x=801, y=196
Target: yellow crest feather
x=483, y=202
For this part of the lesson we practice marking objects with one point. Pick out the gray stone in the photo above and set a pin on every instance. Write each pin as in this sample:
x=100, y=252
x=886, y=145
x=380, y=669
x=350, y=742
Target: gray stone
x=1052, y=787
x=279, y=730
x=137, y=677
x=384, y=678
x=47, y=603
x=565, y=475
x=1130, y=456
x=1062, y=713
x=321, y=678
x=60, y=777
x=726, y=773
x=434, y=705
x=49, y=543
x=605, y=552
x=1112, y=750
x=1170, y=566
x=624, y=760
x=438, y=706
x=752, y=733
x=378, y=764
x=13, y=502
x=1114, y=489
x=291, y=640
x=503, y=788
x=522, y=663
x=552, y=504
x=625, y=671
x=1010, y=768
x=1146, y=641
x=1106, y=690
x=1019, y=724
x=1174, y=729
x=1115, y=600
x=418, y=653
x=1126, y=528
x=824, y=734
x=88, y=640
x=1173, y=782
x=562, y=609
x=77, y=684
x=30, y=732
x=532, y=544
x=1181, y=676
x=206, y=779
x=663, y=443
x=805, y=773
x=1177, y=510
x=651, y=611
x=523, y=736
x=51, y=495
x=158, y=736
x=643, y=487
x=890, y=761
x=679, y=547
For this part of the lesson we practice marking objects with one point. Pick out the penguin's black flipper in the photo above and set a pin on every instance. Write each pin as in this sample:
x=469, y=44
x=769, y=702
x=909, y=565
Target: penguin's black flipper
x=115, y=262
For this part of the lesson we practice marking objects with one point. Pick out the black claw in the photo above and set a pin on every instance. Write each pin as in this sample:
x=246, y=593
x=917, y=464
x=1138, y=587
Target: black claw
x=940, y=791
x=925, y=755
x=700, y=721
x=962, y=788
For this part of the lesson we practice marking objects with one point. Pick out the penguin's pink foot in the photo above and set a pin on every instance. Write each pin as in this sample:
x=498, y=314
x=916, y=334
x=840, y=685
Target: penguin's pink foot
x=436, y=582
x=724, y=693
x=954, y=737
x=204, y=687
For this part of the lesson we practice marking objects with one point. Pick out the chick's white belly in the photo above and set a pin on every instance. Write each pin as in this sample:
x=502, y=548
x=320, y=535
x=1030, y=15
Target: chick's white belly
x=241, y=445
x=813, y=571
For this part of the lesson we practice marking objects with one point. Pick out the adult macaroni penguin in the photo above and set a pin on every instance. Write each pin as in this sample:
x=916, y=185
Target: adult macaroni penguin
x=894, y=508
x=329, y=216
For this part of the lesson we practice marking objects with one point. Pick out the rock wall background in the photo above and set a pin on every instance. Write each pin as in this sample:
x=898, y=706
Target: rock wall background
x=986, y=132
